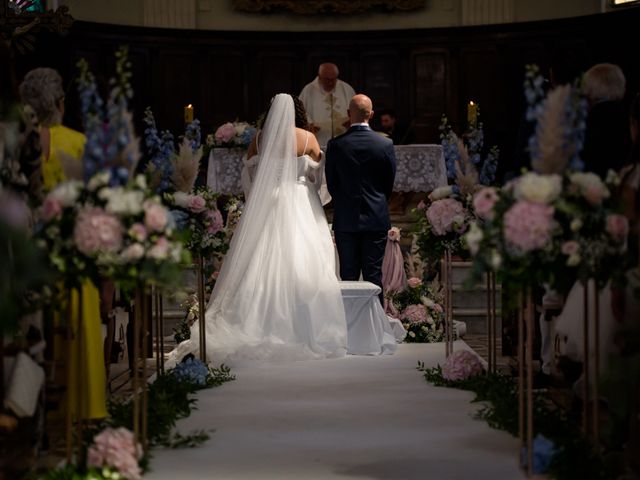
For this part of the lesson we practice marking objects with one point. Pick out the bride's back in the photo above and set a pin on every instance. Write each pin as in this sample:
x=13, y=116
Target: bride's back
x=306, y=143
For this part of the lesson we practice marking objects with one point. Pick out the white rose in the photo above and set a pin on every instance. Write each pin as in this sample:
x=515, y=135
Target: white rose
x=576, y=224
x=67, y=193
x=612, y=178
x=125, y=203
x=181, y=199
x=440, y=193
x=99, y=180
x=133, y=252
x=538, y=188
x=412, y=335
x=496, y=260
x=141, y=182
x=574, y=260
x=473, y=238
x=427, y=302
x=591, y=187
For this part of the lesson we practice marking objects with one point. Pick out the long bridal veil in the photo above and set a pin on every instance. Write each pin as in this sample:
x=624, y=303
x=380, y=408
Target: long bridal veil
x=259, y=305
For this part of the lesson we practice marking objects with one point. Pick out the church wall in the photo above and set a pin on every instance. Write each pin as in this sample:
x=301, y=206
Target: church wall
x=220, y=14
x=423, y=73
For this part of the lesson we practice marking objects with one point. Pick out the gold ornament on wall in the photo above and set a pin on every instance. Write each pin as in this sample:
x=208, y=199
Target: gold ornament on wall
x=314, y=7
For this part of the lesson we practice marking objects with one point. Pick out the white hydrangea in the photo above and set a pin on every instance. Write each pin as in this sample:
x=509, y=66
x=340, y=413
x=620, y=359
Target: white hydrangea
x=67, y=192
x=536, y=188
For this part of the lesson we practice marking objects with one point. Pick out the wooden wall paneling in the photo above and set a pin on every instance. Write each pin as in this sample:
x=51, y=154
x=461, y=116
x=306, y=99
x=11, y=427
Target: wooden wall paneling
x=429, y=91
x=379, y=73
x=225, y=89
x=275, y=73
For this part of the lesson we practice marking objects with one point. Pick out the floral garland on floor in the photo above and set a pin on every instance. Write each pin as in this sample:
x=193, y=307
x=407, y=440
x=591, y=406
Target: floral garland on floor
x=445, y=217
x=113, y=453
x=420, y=311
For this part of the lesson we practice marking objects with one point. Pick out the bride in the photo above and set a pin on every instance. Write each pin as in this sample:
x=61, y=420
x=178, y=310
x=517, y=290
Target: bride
x=277, y=296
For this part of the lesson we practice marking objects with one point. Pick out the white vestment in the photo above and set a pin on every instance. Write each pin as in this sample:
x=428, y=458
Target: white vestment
x=327, y=110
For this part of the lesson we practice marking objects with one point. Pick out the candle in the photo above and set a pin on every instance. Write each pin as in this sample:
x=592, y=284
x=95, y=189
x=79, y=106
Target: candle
x=472, y=112
x=188, y=114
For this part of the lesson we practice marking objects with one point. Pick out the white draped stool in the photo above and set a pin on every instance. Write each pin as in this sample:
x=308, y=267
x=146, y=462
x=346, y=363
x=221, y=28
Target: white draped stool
x=369, y=330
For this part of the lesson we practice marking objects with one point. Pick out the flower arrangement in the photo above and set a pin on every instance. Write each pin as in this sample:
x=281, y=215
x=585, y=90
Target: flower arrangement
x=192, y=370
x=232, y=135
x=449, y=210
x=462, y=365
x=420, y=311
x=556, y=225
x=116, y=450
x=121, y=232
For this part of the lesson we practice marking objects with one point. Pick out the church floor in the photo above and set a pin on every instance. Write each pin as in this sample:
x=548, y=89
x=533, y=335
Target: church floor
x=350, y=418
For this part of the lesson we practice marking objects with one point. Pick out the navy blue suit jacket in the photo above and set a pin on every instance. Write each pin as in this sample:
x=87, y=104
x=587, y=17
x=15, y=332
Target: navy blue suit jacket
x=360, y=170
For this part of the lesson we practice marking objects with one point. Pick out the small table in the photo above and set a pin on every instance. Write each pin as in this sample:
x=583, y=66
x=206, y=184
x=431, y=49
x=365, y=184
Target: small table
x=369, y=330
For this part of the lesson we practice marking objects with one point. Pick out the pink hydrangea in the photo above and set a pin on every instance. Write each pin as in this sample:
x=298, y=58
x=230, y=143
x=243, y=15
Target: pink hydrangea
x=414, y=282
x=394, y=234
x=52, y=208
x=155, y=216
x=197, y=204
x=617, y=227
x=461, y=365
x=421, y=205
x=116, y=449
x=215, y=222
x=415, y=314
x=138, y=231
x=484, y=201
x=97, y=231
x=527, y=225
x=446, y=215
x=225, y=132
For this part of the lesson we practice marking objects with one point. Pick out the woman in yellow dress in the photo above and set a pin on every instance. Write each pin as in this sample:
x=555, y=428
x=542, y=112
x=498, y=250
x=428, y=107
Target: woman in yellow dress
x=42, y=90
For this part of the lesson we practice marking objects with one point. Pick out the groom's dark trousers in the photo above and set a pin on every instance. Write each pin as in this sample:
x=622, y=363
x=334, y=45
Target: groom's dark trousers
x=360, y=170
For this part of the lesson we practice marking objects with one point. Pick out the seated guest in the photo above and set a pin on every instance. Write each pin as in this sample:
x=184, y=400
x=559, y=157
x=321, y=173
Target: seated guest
x=607, y=142
x=391, y=128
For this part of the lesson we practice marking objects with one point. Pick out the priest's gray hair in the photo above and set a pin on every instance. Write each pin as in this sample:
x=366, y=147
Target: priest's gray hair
x=604, y=81
x=42, y=90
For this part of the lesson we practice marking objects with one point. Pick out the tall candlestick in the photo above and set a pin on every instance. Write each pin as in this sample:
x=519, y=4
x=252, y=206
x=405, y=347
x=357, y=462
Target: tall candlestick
x=188, y=114
x=472, y=112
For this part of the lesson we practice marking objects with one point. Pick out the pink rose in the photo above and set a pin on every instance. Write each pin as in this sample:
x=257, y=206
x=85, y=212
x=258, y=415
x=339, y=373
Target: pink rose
x=52, y=208
x=570, y=248
x=160, y=250
x=225, y=132
x=594, y=194
x=414, y=314
x=617, y=227
x=421, y=205
x=484, y=201
x=446, y=215
x=414, y=282
x=461, y=365
x=133, y=252
x=394, y=234
x=138, y=231
x=438, y=308
x=214, y=221
x=197, y=204
x=155, y=216
x=215, y=275
x=97, y=231
x=116, y=449
x=527, y=225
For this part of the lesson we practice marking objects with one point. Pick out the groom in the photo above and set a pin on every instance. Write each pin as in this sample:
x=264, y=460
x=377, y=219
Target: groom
x=360, y=170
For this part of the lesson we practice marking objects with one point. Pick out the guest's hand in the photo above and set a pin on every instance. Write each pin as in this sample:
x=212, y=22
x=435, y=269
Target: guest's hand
x=314, y=128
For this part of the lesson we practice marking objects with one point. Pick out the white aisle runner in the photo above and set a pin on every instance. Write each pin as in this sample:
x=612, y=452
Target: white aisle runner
x=349, y=418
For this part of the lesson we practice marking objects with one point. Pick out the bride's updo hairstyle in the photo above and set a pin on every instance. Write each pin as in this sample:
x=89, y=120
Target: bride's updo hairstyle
x=301, y=114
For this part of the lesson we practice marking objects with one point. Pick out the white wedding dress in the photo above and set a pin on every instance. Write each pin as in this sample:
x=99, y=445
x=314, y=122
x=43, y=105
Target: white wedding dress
x=277, y=297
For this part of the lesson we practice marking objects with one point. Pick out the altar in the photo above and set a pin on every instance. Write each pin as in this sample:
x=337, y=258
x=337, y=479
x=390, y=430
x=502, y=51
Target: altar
x=420, y=168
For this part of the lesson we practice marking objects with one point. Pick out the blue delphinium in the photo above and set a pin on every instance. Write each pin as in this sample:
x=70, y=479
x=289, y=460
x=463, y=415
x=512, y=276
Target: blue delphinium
x=109, y=132
x=533, y=91
x=192, y=371
x=193, y=134
x=247, y=136
x=161, y=148
x=450, y=150
x=489, y=167
x=543, y=452
x=576, y=125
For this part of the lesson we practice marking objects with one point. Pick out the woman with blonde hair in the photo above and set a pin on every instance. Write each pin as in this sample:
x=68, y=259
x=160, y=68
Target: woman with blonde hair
x=42, y=90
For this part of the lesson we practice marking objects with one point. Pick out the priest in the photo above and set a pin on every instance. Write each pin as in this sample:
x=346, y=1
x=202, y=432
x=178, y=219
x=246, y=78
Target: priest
x=326, y=100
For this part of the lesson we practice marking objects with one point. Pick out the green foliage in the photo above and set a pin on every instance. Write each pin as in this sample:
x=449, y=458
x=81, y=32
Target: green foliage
x=575, y=459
